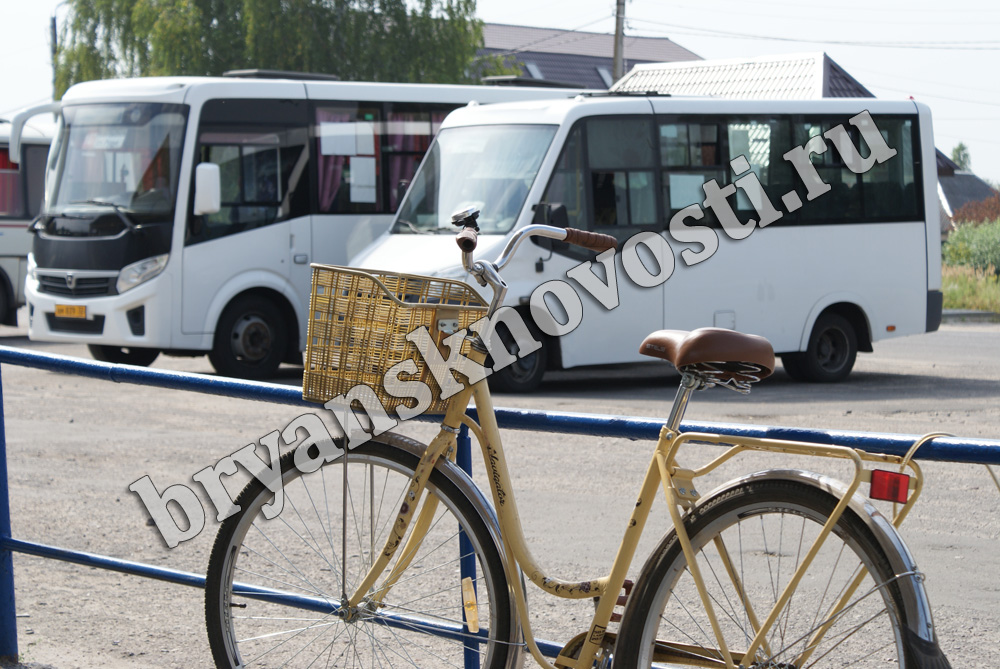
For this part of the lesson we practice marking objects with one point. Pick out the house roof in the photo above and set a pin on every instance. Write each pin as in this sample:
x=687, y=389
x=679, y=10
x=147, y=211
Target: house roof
x=583, y=59
x=785, y=76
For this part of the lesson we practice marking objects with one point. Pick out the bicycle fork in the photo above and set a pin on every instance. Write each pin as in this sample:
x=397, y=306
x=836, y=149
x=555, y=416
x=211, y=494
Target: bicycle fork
x=442, y=446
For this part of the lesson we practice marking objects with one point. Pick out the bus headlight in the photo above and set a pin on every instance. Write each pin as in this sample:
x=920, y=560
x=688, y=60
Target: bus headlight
x=140, y=272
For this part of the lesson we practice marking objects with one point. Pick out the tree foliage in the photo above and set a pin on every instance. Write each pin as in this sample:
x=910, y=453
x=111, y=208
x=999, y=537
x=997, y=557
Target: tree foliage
x=427, y=41
x=960, y=156
x=975, y=246
x=981, y=211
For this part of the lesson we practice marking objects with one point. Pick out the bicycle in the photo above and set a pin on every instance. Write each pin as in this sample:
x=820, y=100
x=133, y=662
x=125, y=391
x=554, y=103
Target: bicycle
x=389, y=554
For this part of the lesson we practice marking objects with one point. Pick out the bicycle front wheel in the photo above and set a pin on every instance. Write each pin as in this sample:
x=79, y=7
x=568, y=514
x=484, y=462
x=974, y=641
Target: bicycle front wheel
x=275, y=587
x=748, y=541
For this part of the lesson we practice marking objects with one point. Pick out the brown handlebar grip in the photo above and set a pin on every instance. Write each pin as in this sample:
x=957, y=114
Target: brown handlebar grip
x=594, y=241
x=466, y=240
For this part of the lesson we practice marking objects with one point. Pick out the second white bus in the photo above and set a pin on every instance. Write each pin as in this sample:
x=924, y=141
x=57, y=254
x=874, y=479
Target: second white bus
x=22, y=179
x=824, y=249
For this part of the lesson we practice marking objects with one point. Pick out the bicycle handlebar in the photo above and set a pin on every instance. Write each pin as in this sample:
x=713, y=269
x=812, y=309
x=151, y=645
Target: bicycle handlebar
x=594, y=241
x=468, y=238
x=488, y=273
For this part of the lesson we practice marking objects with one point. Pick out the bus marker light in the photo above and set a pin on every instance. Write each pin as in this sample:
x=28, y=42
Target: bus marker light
x=889, y=486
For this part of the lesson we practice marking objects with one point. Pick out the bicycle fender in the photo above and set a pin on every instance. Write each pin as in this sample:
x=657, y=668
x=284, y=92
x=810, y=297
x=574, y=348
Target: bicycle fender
x=920, y=640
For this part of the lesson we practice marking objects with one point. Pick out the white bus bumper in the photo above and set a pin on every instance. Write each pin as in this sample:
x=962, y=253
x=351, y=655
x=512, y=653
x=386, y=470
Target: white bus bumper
x=139, y=317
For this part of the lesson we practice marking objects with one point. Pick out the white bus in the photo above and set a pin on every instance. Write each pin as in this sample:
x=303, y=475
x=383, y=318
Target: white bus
x=815, y=249
x=22, y=179
x=132, y=259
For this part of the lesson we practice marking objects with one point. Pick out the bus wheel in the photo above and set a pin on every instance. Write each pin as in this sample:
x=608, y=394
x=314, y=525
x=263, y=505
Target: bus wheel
x=524, y=374
x=250, y=339
x=833, y=347
x=124, y=355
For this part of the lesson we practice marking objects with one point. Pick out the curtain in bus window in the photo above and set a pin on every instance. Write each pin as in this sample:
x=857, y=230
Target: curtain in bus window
x=622, y=178
x=10, y=187
x=349, y=150
x=331, y=167
x=407, y=137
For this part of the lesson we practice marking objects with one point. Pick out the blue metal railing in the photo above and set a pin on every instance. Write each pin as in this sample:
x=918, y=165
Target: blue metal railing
x=973, y=451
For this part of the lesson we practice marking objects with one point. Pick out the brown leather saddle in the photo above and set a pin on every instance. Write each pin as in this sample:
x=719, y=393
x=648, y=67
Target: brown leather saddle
x=714, y=355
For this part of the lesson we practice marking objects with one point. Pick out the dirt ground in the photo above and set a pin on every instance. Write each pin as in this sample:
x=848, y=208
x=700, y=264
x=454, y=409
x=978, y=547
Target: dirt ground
x=75, y=444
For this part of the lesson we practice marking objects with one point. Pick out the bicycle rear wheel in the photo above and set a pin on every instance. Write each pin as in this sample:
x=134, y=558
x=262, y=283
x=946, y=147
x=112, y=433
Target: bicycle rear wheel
x=275, y=586
x=766, y=527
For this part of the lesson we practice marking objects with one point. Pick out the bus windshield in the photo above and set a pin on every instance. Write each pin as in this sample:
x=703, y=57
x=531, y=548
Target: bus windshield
x=125, y=156
x=490, y=168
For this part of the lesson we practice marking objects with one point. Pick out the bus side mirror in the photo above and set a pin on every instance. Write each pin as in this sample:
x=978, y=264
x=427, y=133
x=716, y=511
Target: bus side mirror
x=207, y=189
x=553, y=214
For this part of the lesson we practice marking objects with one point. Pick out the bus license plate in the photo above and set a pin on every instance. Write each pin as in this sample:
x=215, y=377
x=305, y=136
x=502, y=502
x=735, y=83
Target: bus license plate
x=71, y=311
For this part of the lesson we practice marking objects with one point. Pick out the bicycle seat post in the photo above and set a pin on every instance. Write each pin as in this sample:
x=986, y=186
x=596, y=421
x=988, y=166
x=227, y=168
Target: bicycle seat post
x=689, y=384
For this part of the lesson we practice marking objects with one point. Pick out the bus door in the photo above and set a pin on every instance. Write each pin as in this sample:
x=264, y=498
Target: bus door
x=606, y=179
x=261, y=236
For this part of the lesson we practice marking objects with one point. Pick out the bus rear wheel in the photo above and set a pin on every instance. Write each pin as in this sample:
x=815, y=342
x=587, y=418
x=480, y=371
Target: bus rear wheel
x=833, y=348
x=250, y=339
x=124, y=355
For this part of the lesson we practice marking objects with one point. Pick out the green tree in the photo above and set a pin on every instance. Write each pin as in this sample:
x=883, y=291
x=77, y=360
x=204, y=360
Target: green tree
x=427, y=41
x=960, y=156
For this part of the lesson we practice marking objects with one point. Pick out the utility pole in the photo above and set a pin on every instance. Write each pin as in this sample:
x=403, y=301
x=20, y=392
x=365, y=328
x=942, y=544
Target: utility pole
x=54, y=37
x=619, y=40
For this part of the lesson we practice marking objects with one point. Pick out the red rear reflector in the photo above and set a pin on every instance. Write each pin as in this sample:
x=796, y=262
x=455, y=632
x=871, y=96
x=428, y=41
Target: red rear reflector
x=889, y=486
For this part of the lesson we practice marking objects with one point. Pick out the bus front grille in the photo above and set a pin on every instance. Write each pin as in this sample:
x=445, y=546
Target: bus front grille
x=73, y=285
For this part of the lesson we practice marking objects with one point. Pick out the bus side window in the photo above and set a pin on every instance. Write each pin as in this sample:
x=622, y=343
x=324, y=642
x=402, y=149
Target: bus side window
x=567, y=183
x=348, y=156
x=761, y=142
x=263, y=178
x=34, y=174
x=406, y=136
x=622, y=178
x=842, y=203
x=889, y=189
x=690, y=154
x=10, y=187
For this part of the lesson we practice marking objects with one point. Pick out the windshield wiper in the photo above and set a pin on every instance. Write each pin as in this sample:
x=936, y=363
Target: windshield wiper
x=119, y=210
x=412, y=228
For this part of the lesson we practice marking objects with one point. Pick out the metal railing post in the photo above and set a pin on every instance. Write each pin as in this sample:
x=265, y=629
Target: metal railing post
x=467, y=565
x=8, y=614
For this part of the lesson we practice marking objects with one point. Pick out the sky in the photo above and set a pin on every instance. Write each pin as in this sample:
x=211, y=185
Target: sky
x=945, y=54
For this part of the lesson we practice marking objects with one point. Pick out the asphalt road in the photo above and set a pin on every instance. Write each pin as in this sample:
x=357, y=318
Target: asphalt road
x=75, y=444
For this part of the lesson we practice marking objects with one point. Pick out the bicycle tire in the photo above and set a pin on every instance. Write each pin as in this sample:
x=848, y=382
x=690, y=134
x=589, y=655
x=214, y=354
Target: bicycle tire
x=767, y=526
x=299, y=553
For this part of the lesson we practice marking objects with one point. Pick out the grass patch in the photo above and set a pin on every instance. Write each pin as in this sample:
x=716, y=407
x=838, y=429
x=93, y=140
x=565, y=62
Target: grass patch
x=963, y=288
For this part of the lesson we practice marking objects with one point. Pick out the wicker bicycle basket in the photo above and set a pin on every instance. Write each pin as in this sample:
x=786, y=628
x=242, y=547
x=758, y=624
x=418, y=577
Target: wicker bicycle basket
x=358, y=323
